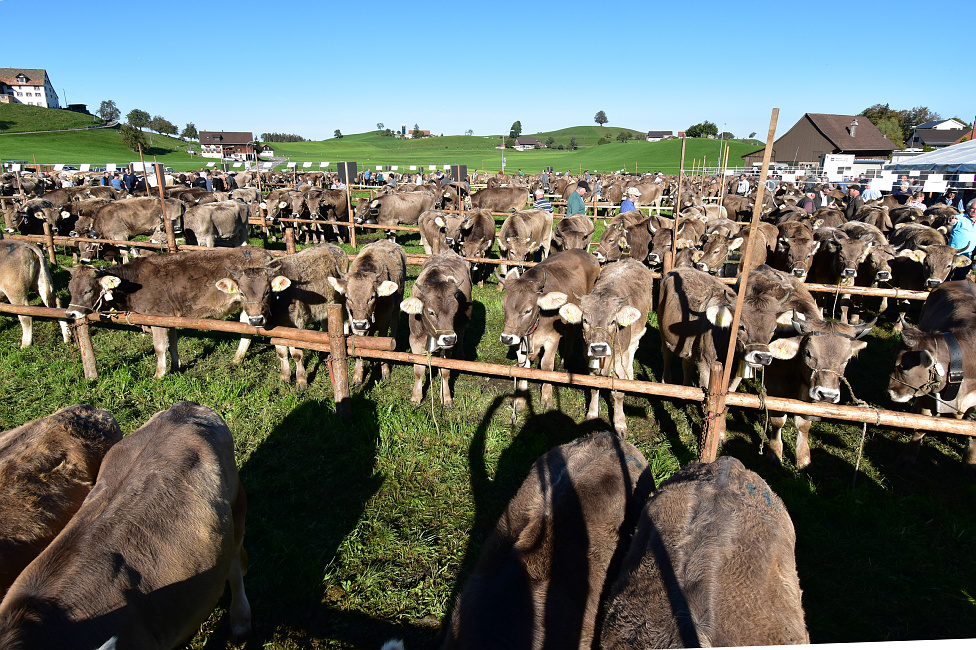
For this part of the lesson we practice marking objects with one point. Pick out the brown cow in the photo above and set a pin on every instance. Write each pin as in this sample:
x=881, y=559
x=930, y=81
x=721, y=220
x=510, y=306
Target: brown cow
x=190, y=284
x=695, y=312
x=23, y=268
x=226, y=221
x=923, y=364
x=439, y=309
x=373, y=288
x=809, y=368
x=836, y=262
x=614, y=318
x=795, y=248
x=295, y=292
x=400, y=208
x=121, y=220
x=47, y=468
x=530, y=304
x=542, y=573
x=145, y=559
x=573, y=232
x=501, y=199
x=712, y=563
x=523, y=234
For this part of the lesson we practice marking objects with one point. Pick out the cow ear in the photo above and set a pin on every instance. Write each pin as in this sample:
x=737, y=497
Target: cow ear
x=911, y=336
x=786, y=318
x=736, y=243
x=697, y=254
x=960, y=261
x=411, y=306
x=571, y=313
x=386, y=288
x=719, y=315
x=280, y=283
x=627, y=316
x=109, y=282
x=439, y=220
x=227, y=286
x=785, y=348
x=857, y=346
x=552, y=300
x=337, y=284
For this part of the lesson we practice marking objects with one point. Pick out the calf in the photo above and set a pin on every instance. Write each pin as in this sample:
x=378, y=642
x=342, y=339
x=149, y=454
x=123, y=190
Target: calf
x=523, y=234
x=439, y=309
x=189, y=284
x=810, y=368
x=48, y=467
x=23, y=267
x=695, y=312
x=373, y=288
x=573, y=232
x=543, y=571
x=712, y=563
x=224, y=220
x=121, y=220
x=532, y=322
x=295, y=292
x=614, y=318
x=924, y=364
x=144, y=561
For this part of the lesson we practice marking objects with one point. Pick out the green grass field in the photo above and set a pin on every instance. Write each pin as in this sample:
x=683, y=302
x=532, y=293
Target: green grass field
x=98, y=147
x=17, y=118
x=365, y=529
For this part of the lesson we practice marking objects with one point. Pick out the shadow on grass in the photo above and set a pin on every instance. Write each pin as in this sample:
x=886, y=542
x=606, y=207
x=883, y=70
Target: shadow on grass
x=307, y=485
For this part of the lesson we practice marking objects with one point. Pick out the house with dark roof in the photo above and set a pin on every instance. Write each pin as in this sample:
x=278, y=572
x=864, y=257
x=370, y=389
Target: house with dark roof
x=818, y=134
x=655, y=136
x=934, y=138
x=29, y=86
x=227, y=144
x=524, y=142
x=951, y=123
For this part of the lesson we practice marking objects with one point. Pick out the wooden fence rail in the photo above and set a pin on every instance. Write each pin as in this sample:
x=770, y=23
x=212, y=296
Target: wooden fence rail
x=382, y=348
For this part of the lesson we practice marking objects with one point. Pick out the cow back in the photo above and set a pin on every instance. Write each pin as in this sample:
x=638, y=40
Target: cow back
x=542, y=571
x=146, y=557
x=47, y=468
x=712, y=563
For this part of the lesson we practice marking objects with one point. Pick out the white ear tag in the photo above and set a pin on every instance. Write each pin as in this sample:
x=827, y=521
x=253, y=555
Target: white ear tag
x=939, y=368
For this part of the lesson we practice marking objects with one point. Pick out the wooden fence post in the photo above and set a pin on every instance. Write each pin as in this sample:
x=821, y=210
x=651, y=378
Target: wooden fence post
x=714, y=426
x=49, y=244
x=290, y=239
x=340, y=368
x=83, y=335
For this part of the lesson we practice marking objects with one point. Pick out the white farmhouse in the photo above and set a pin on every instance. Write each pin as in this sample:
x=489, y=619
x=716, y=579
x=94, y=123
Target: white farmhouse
x=27, y=86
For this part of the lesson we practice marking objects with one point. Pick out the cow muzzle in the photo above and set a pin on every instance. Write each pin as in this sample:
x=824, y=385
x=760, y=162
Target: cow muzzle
x=757, y=358
x=360, y=327
x=599, y=350
x=510, y=339
x=883, y=276
x=255, y=321
x=799, y=272
x=849, y=273
x=823, y=394
x=931, y=283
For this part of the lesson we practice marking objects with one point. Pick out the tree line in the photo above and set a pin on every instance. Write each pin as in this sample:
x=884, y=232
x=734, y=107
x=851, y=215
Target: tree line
x=281, y=137
x=131, y=133
x=898, y=125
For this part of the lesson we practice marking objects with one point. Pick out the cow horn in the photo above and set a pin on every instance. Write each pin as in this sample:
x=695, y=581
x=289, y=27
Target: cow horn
x=862, y=330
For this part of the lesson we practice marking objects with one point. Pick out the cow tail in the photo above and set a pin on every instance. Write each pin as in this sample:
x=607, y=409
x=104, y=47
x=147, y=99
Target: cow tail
x=45, y=281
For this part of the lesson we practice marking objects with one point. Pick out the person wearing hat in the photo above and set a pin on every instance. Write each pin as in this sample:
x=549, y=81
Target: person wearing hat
x=742, y=187
x=575, y=203
x=854, y=201
x=628, y=204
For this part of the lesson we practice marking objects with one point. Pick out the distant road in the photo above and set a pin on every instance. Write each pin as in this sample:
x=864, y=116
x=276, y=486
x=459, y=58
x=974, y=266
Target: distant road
x=107, y=125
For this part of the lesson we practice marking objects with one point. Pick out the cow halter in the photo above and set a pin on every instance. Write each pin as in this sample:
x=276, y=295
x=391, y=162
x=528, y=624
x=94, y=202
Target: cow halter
x=953, y=379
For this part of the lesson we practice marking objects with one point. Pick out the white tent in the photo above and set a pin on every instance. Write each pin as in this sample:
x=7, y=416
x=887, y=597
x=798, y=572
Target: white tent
x=959, y=158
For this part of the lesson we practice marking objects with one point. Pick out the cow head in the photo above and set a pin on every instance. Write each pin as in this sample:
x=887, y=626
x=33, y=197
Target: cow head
x=91, y=289
x=434, y=301
x=362, y=290
x=602, y=323
x=796, y=252
x=613, y=242
x=845, y=253
x=715, y=251
x=917, y=370
x=253, y=287
x=525, y=299
x=937, y=262
x=573, y=232
x=823, y=349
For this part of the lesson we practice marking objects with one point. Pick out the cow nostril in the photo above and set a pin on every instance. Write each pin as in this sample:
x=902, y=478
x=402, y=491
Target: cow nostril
x=850, y=273
x=799, y=272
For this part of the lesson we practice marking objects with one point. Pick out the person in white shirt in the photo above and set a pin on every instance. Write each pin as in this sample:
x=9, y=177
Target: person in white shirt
x=742, y=187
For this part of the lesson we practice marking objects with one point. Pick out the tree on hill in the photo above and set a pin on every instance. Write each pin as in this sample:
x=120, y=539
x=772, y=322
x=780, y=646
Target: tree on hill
x=137, y=118
x=891, y=129
x=725, y=135
x=572, y=142
x=752, y=135
x=623, y=136
x=337, y=133
x=132, y=138
x=108, y=111
x=469, y=132
x=516, y=129
x=550, y=141
x=379, y=126
x=701, y=130
x=600, y=118
x=416, y=131
x=190, y=132
x=160, y=124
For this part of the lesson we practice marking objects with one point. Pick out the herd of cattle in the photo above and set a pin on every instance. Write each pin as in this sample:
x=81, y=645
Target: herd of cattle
x=647, y=577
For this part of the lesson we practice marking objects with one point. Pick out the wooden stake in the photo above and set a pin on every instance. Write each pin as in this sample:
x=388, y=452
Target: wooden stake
x=49, y=244
x=83, y=335
x=340, y=368
x=714, y=426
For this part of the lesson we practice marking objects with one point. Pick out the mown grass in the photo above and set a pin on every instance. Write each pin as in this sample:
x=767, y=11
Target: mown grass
x=17, y=118
x=364, y=529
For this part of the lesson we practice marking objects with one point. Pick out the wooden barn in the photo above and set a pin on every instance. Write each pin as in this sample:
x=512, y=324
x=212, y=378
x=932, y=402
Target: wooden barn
x=817, y=134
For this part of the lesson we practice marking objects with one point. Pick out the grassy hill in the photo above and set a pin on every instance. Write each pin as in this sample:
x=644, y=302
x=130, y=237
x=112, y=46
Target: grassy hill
x=18, y=118
x=373, y=149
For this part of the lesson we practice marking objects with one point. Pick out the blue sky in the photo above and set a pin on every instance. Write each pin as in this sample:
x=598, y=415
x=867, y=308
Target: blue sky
x=311, y=68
